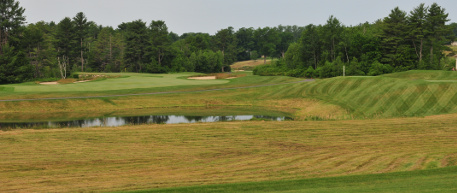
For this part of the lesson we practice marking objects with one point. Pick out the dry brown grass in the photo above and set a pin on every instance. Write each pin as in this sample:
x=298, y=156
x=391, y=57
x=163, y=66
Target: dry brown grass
x=149, y=156
x=309, y=109
x=250, y=64
x=272, y=98
x=300, y=109
x=66, y=81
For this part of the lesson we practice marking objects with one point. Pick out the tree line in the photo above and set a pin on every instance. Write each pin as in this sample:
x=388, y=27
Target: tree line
x=46, y=50
x=75, y=44
x=398, y=42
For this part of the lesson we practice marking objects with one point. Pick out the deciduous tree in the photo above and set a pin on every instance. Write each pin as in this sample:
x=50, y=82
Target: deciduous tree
x=158, y=40
x=226, y=42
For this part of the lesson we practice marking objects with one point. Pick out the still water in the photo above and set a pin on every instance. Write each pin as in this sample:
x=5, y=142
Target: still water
x=137, y=120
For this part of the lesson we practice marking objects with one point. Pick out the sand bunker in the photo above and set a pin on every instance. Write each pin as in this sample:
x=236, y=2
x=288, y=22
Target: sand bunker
x=203, y=78
x=49, y=83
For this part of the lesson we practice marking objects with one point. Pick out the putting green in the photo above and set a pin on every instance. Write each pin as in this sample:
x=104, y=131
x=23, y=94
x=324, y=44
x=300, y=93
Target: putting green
x=127, y=81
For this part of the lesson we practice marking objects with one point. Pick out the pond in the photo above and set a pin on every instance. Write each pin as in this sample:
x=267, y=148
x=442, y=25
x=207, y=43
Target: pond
x=115, y=121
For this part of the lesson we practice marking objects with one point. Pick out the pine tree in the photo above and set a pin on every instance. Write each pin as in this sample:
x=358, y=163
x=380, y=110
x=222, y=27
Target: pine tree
x=437, y=31
x=397, y=52
x=11, y=19
x=66, y=41
x=136, y=39
x=417, y=29
x=81, y=26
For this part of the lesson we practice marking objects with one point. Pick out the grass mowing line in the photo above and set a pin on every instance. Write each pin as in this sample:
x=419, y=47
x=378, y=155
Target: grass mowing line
x=433, y=180
x=155, y=93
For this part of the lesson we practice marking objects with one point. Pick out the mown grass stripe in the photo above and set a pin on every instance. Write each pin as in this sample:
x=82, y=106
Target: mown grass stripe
x=435, y=97
x=326, y=86
x=409, y=102
x=363, y=87
x=340, y=87
x=373, y=106
x=445, y=94
x=429, y=99
x=384, y=101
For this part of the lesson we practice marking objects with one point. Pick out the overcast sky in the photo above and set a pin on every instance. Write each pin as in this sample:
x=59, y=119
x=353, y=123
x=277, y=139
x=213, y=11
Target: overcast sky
x=209, y=16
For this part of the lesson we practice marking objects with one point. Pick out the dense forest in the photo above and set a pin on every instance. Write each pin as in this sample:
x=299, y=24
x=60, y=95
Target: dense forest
x=46, y=50
x=399, y=42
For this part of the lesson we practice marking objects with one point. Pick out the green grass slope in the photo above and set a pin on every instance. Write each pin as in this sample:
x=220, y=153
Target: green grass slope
x=424, y=75
x=396, y=95
x=436, y=180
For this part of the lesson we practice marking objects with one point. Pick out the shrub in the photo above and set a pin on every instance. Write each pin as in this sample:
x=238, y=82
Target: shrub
x=327, y=70
x=310, y=72
x=74, y=75
x=378, y=68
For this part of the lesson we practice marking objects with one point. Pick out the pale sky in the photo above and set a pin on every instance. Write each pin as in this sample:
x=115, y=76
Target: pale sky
x=209, y=16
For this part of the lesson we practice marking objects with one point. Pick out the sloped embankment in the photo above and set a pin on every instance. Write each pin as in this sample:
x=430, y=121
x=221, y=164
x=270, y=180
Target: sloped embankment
x=380, y=97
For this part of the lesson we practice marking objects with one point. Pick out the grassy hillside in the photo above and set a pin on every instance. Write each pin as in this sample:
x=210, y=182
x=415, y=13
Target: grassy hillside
x=249, y=64
x=153, y=156
x=413, y=93
x=160, y=156
x=285, y=98
x=435, y=75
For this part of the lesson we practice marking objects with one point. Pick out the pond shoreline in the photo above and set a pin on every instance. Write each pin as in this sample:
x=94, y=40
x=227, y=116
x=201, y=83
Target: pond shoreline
x=116, y=121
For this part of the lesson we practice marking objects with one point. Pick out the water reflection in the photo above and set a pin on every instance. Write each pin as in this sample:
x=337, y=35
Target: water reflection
x=137, y=120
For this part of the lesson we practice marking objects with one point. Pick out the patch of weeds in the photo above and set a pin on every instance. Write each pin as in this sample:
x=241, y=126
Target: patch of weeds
x=66, y=81
x=408, y=165
x=432, y=165
x=452, y=161
x=106, y=100
x=314, y=118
